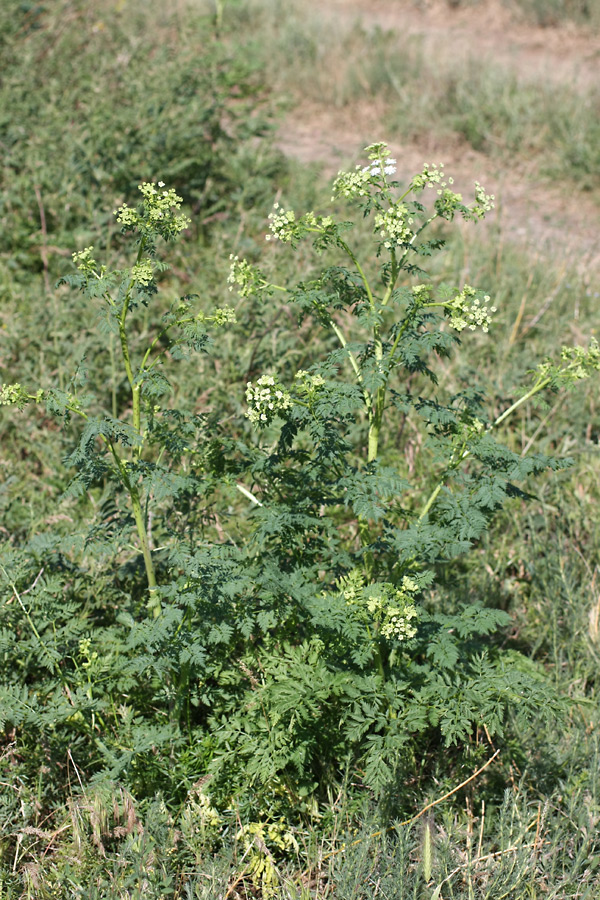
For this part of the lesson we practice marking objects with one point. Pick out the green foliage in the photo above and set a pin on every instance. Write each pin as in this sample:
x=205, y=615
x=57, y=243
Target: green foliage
x=143, y=111
x=316, y=638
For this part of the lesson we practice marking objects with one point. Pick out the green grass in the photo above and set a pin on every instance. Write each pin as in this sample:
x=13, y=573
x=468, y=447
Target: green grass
x=109, y=847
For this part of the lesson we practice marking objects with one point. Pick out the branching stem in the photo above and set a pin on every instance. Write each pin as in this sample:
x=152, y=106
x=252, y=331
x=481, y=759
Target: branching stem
x=457, y=458
x=131, y=488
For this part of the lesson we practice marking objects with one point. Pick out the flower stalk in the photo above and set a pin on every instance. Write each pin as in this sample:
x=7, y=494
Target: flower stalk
x=399, y=223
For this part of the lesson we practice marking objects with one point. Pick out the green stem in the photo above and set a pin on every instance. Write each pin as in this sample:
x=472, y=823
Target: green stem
x=140, y=524
x=377, y=407
x=379, y=661
x=132, y=490
x=337, y=330
x=165, y=330
x=414, y=237
x=377, y=419
x=539, y=386
x=170, y=346
x=393, y=278
x=376, y=416
x=375, y=424
x=353, y=362
x=365, y=539
x=143, y=367
x=376, y=411
x=377, y=657
x=113, y=375
x=123, y=337
x=218, y=15
x=135, y=388
x=138, y=514
x=360, y=271
x=243, y=490
x=13, y=587
x=401, y=331
x=455, y=461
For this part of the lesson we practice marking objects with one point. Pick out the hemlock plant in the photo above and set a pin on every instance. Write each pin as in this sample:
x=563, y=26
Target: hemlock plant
x=312, y=636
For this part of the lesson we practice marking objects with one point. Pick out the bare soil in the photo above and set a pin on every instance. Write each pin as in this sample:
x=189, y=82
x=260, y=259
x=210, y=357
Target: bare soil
x=554, y=218
x=487, y=28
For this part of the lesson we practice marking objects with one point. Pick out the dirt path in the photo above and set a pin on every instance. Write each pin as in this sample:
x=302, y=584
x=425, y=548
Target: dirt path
x=556, y=220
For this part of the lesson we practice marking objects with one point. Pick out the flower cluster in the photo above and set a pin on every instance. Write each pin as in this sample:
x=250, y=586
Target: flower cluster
x=357, y=183
x=87, y=656
x=472, y=427
x=13, y=395
x=395, y=609
x=207, y=814
x=157, y=214
x=224, y=315
x=430, y=176
x=398, y=622
x=380, y=167
x=581, y=361
x=281, y=224
x=308, y=384
x=142, y=273
x=199, y=815
x=468, y=311
x=578, y=363
x=249, y=279
x=422, y=292
x=257, y=839
x=285, y=227
x=352, y=184
x=351, y=586
x=483, y=202
x=266, y=399
x=394, y=226
x=379, y=157
x=85, y=262
x=447, y=203
x=392, y=607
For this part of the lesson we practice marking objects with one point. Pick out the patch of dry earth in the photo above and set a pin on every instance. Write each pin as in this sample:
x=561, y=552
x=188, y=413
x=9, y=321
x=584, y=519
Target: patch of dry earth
x=487, y=30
